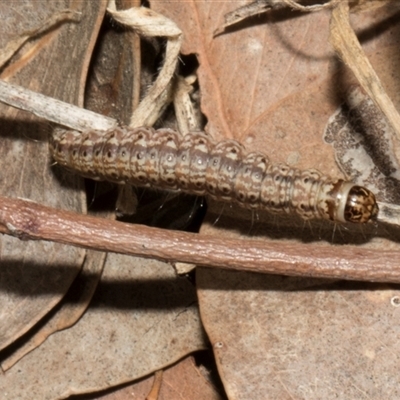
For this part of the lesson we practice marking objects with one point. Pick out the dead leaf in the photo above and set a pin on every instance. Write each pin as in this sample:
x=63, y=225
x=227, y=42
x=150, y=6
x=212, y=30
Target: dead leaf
x=14, y=45
x=285, y=338
x=140, y=320
x=270, y=83
x=66, y=313
x=107, y=92
x=35, y=276
x=281, y=84
x=368, y=5
x=181, y=381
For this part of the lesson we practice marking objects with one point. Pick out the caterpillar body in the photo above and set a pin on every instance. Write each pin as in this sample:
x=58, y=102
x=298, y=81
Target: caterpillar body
x=224, y=171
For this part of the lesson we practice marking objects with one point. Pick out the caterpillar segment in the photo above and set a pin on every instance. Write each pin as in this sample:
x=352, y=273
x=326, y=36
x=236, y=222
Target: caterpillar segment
x=224, y=171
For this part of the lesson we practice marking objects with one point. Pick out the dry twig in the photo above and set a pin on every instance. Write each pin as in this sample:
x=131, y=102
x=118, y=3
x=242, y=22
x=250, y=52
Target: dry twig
x=29, y=220
x=32, y=221
x=389, y=213
x=262, y=6
x=52, y=109
x=347, y=46
x=148, y=23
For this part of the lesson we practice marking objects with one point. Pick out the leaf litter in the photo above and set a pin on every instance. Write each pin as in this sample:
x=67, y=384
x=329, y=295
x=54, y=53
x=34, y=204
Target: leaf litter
x=277, y=106
x=125, y=334
x=35, y=276
x=167, y=327
x=273, y=83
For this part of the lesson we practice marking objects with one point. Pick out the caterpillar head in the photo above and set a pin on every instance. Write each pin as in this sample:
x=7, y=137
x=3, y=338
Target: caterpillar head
x=360, y=205
x=355, y=204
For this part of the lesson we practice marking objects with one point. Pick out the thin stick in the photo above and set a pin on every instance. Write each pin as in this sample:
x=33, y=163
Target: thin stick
x=389, y=213
x=347, y=46
x=28, y=220
x=53, y=110
x=155, y=390
x=262, y=6
x=149, y=23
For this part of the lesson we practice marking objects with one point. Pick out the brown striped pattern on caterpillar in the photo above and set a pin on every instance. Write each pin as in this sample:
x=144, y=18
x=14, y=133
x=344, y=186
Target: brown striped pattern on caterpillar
x=224, y=171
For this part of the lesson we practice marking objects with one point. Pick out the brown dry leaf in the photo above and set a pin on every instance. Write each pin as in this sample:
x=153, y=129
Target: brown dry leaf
x=167, y=326
x=14, y=45
x=35, y=276
x=182, y=381
x=368, y=5
x=270, y=83
x=65, y=314
x=288, y=338
x=124, y=335
x=74, y=304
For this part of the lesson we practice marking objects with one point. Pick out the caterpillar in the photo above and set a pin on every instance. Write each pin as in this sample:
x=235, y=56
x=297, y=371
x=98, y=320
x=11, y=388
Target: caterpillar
x=195, y=164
